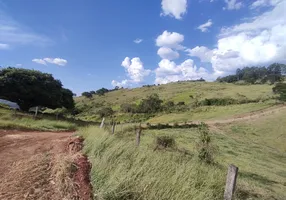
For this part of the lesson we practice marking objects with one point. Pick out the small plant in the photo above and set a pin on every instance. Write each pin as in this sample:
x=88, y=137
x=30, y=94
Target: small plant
x=205, y=148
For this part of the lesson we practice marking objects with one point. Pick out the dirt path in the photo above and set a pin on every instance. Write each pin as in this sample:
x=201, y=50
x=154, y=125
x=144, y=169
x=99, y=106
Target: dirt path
x=34, y=165
x=248, y=116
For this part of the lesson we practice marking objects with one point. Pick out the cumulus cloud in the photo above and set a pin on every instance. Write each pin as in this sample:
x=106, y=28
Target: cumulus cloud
x=134, y=71
x=18, y=65
x=138, y=41
x=174, y=8
x=167, y=53
x=232, y=5
x=204, y=53
x=204, y=27
x=4, y=46
x=260, y=41
x=39, y=61
x=171, y=40
x=169, y=71
x=56, y=61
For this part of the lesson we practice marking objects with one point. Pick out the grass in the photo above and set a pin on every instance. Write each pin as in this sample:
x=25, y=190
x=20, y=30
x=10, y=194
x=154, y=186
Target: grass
x=20, y=121
x=122, y=171
x=177, y=92
x=210, y=113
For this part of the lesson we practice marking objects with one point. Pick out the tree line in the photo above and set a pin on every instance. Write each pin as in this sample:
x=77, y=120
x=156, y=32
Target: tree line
x=259, y=75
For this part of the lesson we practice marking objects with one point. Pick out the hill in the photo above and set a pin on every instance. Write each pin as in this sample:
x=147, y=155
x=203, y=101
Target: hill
x=247, y=97
x=120, y=170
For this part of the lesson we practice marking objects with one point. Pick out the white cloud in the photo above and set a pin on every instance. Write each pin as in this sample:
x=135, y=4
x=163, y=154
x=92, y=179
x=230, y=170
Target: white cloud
x=138, y=41
x=204, y=53
x=171, y=40
x=56, y=61
x=39, y=61
x=232, y=5
x=134, y=71
x=13, y=33
x=169, y=71
x=167, y=53
x=18, y=65
x=260, y=41
x=123, y=83
x=4, y=46
x=174, y=8
x=204, y=27
x=264, y=3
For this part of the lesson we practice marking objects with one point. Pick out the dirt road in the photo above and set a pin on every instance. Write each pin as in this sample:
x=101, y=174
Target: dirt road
x=28, y=163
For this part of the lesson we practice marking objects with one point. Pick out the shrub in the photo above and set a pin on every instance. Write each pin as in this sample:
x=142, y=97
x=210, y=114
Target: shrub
x=151, y=104
x=105, y=112
x=181, y=103
x=165, y=142
x=128, y=108
x=87, y=94
x=205, y=149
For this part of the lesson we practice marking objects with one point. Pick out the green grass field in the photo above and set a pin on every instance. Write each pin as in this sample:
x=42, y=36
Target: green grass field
x=123, y=171
x=21, y=121
x=210, y=113
x=177, y=92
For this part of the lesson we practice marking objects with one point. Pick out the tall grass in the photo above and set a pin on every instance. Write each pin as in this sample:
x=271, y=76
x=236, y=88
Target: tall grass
x=8, y=120
x=120, y=170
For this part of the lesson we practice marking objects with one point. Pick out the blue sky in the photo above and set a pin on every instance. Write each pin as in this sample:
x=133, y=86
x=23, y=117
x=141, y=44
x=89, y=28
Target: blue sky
x=103, y=43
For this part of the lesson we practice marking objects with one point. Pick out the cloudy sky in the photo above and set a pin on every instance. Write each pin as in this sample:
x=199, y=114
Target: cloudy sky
x=104, y=43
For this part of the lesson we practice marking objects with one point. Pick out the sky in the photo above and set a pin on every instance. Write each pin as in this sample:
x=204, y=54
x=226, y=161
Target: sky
x=92, y=44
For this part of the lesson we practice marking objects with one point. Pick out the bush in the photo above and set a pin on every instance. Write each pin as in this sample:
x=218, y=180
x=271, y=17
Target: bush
x=87, y=94
x=165, y=142
x=105, y=112
x=205, y=149
x=181, y=103
x=151, y=104
x=128, y=108
x=218, y=102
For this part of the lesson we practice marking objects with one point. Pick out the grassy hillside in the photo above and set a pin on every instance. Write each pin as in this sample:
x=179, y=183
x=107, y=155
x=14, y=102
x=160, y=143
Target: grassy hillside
x=178, y=92
x=123, y=171
x=22, y=121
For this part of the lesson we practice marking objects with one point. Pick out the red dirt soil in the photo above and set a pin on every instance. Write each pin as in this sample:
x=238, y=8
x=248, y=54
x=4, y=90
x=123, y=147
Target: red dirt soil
x=27, y=160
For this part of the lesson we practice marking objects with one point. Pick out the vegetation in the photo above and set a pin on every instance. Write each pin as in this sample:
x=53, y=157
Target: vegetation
x=280, y=88
x=122, y=171
x=31, y=88
x=272, y=74
x=186, y=99
x=21, y=121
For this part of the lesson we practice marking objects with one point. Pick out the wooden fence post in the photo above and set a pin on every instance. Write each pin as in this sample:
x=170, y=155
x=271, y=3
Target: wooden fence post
x=230, y=182
x=138, y=135
x=102, y=123
x=113, y=127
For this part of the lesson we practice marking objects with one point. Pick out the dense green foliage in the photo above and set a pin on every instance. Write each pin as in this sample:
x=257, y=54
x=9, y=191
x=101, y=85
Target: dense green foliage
x=87, y=94
x=280, y=88
x=272, y=74
x=31, y=88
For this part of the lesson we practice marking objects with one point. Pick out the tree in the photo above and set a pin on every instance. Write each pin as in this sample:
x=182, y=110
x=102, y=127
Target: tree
x=87, y=94
x=92, y=92
x=280, y=88
x=102, y=91
x=151, y=104
x=31, y=88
